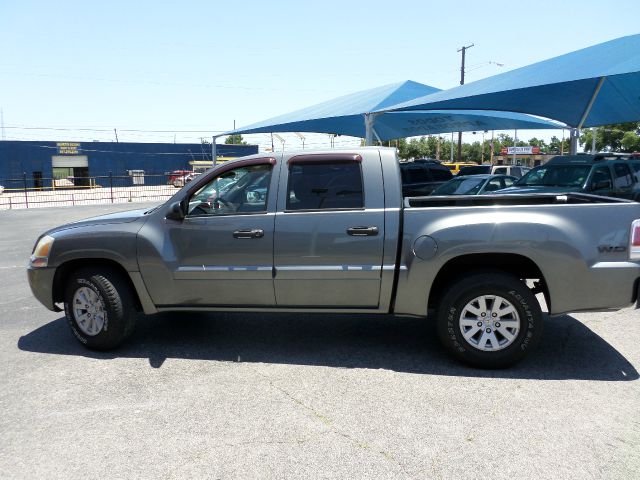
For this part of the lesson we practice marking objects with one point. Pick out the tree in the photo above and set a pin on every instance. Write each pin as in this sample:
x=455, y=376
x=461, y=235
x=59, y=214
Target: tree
x=557, y=146
x=631, y=142
x=235, y=139
x=610, y=138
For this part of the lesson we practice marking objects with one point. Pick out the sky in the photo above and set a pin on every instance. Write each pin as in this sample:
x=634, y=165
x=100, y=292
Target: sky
x=181, y=71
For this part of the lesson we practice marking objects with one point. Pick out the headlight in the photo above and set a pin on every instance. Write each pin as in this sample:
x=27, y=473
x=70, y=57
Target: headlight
x=40, y=256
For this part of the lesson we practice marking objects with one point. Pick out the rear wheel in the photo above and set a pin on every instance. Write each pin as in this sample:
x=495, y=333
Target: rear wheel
x=489, y=320
x=100, y=308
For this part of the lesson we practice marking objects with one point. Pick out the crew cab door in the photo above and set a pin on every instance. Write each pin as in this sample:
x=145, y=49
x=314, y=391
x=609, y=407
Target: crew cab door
x=221, y=253
x=329, y=232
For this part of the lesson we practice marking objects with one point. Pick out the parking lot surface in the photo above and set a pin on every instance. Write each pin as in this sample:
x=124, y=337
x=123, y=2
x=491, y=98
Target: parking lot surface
x=303, y=396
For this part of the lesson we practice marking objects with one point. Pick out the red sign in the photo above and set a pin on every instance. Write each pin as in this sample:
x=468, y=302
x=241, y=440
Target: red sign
x=529, y=150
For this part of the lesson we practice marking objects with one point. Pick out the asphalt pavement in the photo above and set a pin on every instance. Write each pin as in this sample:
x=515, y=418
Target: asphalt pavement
x=303, y=396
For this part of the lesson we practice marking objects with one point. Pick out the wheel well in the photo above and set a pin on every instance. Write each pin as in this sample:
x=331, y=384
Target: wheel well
x=456, y=268
x=64, y=271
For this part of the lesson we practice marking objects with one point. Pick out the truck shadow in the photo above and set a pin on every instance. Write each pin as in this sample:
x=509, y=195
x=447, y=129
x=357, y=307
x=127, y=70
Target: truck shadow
x=568, y=350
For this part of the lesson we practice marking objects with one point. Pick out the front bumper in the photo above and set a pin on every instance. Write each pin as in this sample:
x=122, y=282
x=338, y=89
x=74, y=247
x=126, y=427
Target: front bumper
x=41, y=283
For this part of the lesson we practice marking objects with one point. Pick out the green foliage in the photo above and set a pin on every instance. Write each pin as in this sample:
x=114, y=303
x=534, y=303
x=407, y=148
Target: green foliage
x=235, y=139
x=630, y=142
x=425, y=147
x=557, y=146
x=613, y=138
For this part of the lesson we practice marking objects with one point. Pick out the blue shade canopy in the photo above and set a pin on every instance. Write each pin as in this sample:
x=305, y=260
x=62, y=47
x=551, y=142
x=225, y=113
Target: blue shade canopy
x=346, y=116
x=598, y=85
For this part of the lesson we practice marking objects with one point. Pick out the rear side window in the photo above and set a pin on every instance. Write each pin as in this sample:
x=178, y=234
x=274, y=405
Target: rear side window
x=475, y=170
x=441, y=175
x=324, y=185
x=601, y=174
x=415, y=174
x=500, y=171
x=623, y=175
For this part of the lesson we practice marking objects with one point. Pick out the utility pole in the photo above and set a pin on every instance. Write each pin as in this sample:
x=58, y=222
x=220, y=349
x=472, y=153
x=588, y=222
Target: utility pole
x=464, y=51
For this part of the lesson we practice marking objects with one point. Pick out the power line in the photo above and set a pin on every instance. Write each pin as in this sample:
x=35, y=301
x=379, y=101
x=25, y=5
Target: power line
x=85, y=129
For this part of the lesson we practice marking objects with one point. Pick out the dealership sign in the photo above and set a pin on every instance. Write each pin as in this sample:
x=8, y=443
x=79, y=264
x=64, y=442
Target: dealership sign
x=520, y=150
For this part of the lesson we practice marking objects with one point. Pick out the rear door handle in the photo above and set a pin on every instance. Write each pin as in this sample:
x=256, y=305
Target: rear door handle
x=254, y=233
x=362, y=231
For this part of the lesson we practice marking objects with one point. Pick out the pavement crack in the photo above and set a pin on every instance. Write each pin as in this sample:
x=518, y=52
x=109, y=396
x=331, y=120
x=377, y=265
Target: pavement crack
x=332, y=427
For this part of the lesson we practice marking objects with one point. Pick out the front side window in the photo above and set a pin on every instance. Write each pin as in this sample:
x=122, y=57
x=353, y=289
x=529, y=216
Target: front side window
x=238, y=191
x=324, y=185
x=556, y=176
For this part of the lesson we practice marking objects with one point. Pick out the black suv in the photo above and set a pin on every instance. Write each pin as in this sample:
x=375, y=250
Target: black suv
x=422, y=176
x=608, y=174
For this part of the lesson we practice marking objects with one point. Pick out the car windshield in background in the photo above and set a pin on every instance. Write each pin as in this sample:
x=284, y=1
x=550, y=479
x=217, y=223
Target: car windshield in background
x=461, y=186
x=556, y=176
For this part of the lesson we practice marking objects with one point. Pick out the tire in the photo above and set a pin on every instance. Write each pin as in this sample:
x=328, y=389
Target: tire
x=477, y=335
x=100, y=308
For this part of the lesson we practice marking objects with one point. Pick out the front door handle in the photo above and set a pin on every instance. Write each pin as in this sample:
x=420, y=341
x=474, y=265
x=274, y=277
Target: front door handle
x=254, y=233
x=362, y=231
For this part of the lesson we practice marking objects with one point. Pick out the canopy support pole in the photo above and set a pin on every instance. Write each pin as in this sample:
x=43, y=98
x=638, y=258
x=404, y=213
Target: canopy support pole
x=587, y=111
x=369, y=119
x=214, y=153
x=574, y=135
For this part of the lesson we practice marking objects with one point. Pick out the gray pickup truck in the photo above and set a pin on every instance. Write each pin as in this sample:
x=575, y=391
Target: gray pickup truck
x=329, y=231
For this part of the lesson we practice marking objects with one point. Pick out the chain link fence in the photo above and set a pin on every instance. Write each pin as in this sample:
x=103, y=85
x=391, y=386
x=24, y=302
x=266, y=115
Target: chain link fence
x=29, y=192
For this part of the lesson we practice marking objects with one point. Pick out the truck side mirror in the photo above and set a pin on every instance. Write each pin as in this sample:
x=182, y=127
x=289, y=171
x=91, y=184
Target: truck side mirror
x=175, y=212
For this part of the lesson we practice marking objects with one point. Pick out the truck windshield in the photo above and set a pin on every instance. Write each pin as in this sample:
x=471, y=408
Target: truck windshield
x=556, y=176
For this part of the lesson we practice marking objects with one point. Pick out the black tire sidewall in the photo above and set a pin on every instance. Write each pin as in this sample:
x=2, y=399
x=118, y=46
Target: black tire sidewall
x=114, y=329
x=506, y=286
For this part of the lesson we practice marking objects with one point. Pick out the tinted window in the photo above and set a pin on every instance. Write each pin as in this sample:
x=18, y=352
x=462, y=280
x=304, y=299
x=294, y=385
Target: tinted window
x=441, y=175
x=623, y=175
x=556, y=176
x=475, y=170
x=601, y=174
x=500, y=171
x=415, y=174
x=242, y=190
x=317, y=186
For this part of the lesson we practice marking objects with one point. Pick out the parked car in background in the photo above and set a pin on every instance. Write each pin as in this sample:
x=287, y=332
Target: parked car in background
x=181, y=180
x=475, y=185
x=1, y=189
x=610, y=175
x=514, y=170
x=422, y=176
x=176, y=177
x=456, y=166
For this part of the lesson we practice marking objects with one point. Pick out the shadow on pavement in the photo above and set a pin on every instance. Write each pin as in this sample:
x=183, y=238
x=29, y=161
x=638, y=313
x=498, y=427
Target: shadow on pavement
x=568, y=350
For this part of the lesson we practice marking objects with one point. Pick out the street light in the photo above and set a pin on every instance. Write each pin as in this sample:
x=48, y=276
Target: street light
x=301, y=137
x=281, y=140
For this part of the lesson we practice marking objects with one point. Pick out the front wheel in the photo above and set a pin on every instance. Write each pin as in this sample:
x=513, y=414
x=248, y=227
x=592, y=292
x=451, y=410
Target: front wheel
x=100, y=308
x=489, y=320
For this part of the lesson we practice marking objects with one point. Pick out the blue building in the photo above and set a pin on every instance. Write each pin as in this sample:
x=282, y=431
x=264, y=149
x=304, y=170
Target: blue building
x=41, y=162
